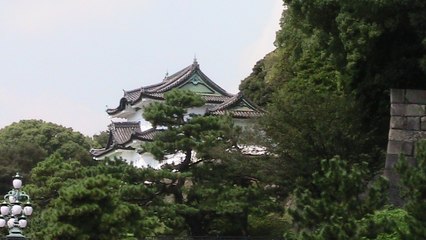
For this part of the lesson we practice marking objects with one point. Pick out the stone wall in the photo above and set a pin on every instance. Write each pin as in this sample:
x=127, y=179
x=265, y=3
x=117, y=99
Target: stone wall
x=407, y=126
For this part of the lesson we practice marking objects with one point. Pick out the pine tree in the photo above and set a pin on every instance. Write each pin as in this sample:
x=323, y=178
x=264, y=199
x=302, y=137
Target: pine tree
x=107, y=200
x=215, y=188
x=413, y=179
x=336, y=200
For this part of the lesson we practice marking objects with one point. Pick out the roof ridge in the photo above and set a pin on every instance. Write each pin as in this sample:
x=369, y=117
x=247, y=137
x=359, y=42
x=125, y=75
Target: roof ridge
x=227, y=103
x=175, y=78
x=179, y=72
x=127, y=92
x=155, y=91
x=238, y=97
x=126, y=123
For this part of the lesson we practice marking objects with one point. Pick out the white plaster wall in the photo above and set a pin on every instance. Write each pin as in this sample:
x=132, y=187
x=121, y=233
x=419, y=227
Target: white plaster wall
x=128, y=110
x=130, y=156
x=137, y=117
x=148, y=160
x=110, y=155
x=141, y=161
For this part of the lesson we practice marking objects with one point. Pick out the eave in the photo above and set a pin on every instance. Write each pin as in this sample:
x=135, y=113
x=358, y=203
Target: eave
x=121, y=138
x=157, y=91
x=230, y=107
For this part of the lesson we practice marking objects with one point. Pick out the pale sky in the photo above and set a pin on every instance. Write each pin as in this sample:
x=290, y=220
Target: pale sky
x=64, y=61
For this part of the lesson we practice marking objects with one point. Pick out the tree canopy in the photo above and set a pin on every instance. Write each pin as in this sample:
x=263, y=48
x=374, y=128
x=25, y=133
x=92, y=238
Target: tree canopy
x=217, y=189
x=25, y=143
x=356, y=48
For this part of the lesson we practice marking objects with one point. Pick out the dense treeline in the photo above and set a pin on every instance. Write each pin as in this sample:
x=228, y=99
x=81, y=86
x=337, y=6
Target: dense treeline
x=326, y=89
x=357, y=50
x=229, y=194
x=326, y=85
x=24, y=144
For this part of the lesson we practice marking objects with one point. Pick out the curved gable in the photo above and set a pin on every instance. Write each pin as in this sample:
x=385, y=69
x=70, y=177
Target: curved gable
x=196, y=84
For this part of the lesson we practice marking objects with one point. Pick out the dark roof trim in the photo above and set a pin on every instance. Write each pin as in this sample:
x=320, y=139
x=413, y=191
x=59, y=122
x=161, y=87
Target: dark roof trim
x=123, y=133
x=225, y=108
x=101, y=152
x=156, y=91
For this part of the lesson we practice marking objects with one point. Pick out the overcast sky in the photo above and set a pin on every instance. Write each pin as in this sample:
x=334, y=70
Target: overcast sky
x=64, y=61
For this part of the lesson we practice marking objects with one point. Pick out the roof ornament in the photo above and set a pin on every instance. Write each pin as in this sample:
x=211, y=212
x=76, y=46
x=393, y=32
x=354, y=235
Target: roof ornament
x=166, y=76
x=195, y=60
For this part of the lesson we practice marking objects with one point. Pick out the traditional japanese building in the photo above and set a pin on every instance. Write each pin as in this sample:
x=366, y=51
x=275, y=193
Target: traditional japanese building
x=129, y=130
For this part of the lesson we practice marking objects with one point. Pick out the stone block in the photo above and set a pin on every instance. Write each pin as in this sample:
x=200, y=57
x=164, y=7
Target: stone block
x=394, y=180
x=406, y=135
x=423, y=124
x=400, y=147
x=412, y=123
x=397, y=95
x=397, y=122
x=415, y=110
x=408, y=123
x=415, y=96
x=401, y=135
x=397, y=109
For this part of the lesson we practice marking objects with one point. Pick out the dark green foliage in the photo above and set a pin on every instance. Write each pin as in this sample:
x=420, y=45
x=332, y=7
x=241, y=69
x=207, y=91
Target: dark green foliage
x=232, y=194
x=306, y=126
x=49, y=136
x=330, y=78
x=51, y=175
x=385, y=224
x=336, y=200
x=104, y=201
x=413, y=179
x=376, y=43
x=172, y=111
x=215, y=187
x=341, y=53
x=185, y=134
x=260, y=85
x=91, y=209
x=24, y=144
x=101, y=139
x=372, y=45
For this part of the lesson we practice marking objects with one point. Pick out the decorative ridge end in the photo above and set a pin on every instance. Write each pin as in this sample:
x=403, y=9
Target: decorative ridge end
x=195, y=63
